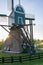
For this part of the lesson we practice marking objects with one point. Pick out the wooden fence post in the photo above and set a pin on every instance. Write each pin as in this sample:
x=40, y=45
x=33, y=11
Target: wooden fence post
x=39, y=55
x=11, y=59
x=20, y=59
x=2, y=59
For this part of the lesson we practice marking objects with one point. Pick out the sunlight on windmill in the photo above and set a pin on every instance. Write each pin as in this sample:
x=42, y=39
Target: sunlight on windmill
x=9, y=36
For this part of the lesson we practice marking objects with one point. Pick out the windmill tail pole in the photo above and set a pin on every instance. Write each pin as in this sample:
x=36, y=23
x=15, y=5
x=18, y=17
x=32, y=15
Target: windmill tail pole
x=12, y=5
x=19, y=2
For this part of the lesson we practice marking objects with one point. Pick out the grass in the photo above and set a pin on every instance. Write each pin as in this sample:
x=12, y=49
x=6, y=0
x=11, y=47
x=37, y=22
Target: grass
x=5, y=54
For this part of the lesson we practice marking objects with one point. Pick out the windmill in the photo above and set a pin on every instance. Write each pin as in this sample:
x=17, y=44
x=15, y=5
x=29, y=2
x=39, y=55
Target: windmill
x=16, y=24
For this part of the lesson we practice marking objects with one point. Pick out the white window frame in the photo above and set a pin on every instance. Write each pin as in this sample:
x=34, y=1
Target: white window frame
x=21, y=20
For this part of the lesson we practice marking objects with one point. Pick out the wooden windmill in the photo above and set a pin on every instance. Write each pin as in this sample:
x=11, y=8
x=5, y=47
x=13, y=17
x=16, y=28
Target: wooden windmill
x=17, y=35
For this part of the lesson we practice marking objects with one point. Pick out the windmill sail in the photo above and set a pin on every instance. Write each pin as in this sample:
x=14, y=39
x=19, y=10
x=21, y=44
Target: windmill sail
x=10, y=5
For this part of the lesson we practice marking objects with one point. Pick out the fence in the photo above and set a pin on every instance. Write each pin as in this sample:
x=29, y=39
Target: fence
x=20, y=58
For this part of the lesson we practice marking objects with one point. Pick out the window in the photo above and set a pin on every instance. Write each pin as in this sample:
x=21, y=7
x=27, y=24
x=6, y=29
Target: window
x=20, y=20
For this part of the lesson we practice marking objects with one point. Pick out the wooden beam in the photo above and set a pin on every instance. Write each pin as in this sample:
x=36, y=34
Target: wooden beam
x=5, y=25
x=5, y=29
x=27, y=16
x=22, y=24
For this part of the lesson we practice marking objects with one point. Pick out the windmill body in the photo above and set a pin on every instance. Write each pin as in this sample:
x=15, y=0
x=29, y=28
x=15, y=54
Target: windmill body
x=18, y=36
x=14, y=43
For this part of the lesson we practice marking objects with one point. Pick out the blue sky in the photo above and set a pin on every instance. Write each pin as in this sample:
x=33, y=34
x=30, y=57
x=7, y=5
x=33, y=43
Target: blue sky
x=31, y=7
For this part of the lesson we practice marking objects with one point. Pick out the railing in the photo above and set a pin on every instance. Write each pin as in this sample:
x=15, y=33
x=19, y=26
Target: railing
x=20, y=58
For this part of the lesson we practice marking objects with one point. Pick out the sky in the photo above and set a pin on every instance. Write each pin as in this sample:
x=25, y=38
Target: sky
x=34, y=7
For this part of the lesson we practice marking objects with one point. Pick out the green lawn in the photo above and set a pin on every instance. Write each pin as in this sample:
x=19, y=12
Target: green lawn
x=5, y=54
